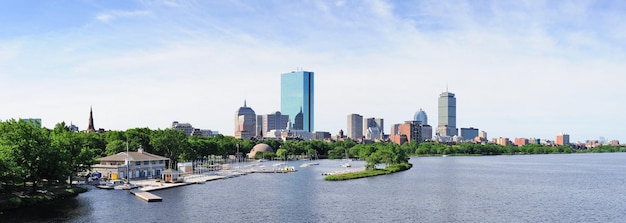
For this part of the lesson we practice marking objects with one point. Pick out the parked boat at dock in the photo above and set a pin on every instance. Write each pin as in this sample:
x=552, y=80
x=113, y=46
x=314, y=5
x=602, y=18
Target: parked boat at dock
x=109, y=185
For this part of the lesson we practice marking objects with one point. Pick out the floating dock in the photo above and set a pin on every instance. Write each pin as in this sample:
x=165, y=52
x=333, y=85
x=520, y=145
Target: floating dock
x=146, y=196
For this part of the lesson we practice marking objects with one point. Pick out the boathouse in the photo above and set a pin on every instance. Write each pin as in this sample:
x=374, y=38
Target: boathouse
x=142, y=165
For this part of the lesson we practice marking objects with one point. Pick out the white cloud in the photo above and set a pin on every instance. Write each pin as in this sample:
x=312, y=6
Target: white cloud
x=112, y=15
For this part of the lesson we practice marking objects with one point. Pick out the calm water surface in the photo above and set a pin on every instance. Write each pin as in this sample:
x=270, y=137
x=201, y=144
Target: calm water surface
x=532, y=188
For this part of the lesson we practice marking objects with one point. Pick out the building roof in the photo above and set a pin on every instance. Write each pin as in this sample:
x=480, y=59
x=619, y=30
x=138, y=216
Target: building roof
x=245, y=110
x=134, y=156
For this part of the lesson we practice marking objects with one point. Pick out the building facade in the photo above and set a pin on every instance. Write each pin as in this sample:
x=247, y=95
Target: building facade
x=297, y=95
x=373, y=128
x=408, y=132
x=274, y=121
x=468, y=133
x=185, y=127
x=421, y=116
x=447, y=115
x=245, y=122
x=142, y=164
x=562, y=139
x=355, y=126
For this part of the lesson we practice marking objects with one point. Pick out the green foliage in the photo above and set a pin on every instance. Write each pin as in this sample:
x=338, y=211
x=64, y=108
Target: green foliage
x=370, y=172
x=281, y=153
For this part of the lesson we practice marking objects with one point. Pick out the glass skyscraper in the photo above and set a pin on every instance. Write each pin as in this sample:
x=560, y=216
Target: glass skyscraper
x=296, y=95
x=447, y=114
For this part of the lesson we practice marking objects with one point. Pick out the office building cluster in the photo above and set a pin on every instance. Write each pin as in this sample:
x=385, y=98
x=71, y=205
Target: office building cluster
x=294, y=120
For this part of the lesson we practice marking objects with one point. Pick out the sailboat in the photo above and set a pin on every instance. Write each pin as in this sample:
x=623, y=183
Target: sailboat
x=348, y=160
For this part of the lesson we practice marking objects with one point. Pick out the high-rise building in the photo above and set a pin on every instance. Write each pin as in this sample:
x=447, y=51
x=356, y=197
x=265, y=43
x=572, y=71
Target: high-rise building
x=482, y=134
x=562, y=139
x=245, y=122
x=373, y=128
x=421, y=116
x=355, y=126
x=297, y=95
x=469, y=133
x=274, y=121
x=447, y=115
x=410, y=131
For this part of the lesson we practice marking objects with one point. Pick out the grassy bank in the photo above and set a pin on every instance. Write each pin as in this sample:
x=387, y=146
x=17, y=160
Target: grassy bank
x=370, y=173
x=17, y=200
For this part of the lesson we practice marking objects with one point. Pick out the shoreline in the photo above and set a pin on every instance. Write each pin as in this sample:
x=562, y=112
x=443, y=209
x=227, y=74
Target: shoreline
x=14, y=201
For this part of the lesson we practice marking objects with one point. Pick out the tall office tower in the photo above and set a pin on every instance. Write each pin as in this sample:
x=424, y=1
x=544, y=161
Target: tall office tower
x=373, y=128
x=296, y=95
x=274, y=122
x=245, y=122
x=447, y=114
x=421, y=116
x=562, y=139
x=355, y=126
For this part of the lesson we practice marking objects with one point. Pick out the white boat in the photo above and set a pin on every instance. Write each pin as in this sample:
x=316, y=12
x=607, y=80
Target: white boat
x=346, y=165
x=309, y=164
x=126, y=187
x=109, y=185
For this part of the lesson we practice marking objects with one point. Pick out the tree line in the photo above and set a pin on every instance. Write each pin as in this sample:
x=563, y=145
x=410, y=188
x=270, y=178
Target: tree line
x=30, y=154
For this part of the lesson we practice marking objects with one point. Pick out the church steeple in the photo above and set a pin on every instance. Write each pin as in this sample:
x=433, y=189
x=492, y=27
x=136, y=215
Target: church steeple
x=90, y=127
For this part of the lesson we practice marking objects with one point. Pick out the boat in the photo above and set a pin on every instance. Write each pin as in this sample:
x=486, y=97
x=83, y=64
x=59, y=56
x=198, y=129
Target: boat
x=109, y=185
x=347, y=159
x=309, y=164
x=279, y=164
x=126, y=187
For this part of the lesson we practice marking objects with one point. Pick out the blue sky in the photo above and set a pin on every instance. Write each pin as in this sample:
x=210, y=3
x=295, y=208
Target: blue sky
x=518, y=68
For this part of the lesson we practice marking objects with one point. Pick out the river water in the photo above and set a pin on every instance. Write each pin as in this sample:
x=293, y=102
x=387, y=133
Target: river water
x=523, y=188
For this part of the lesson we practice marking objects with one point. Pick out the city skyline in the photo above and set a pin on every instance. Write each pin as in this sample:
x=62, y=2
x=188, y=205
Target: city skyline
x=519, y=69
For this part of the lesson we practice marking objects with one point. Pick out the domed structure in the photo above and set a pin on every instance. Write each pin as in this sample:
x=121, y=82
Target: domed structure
x=260, y=148
x=421, y=116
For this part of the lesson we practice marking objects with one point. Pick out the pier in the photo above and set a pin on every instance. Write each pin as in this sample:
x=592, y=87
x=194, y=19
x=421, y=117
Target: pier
x=146, y=196
x=148, y=185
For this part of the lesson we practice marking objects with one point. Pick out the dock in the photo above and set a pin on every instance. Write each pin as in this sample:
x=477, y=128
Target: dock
x=146, y=196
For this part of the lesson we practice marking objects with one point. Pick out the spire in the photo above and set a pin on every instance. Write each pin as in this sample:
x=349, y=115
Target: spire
x=90, y=127
x=244, y=103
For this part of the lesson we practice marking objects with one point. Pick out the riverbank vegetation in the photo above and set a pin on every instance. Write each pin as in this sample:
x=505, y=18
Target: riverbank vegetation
x=369, y=172
x=33, y=158
x=18, y=199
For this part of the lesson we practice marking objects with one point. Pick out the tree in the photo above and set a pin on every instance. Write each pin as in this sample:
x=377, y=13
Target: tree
x=169, y=143
x=139, y=137
x=282, y=153
x=30, y=145
x=115, y=147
